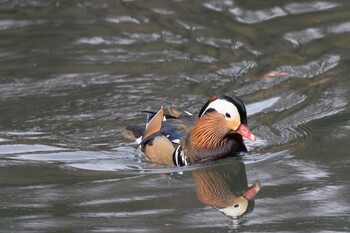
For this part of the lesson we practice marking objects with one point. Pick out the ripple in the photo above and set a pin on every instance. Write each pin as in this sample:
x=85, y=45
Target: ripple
x=107, y=165
x=173, y=38
x=288, y=100
x=26, y=148
x=62, y=156
x=238, y=69
x=92, y=5
x=11, y=24
x=128, y=214
x=127, y=165
x=120, y=200
x=131, y=229
x=133, y=38
x=343, y=131
x=309, y=34
x=301, y=110
x=261, y=105
x=252, y=158
x=215, y=42
x=339, y=28
x=133, y=57
x=218, y=6
x=313, y=68
x=304, y=36
x=25, y=133
x=258, y=16
x=163, y=11
x=322, y=195
x=9, y=55
x=13, y=4
x=307, y=170
x=261, y=15
x=120, y=159
x=330, y=103
x=260, y=85
x=126, y=19
x=205, y=59
x=309, y=70
x=99, y=40
x=49, y=85
x=4, y=140
x=189, y=26
x=305, y=7
x=144, y=37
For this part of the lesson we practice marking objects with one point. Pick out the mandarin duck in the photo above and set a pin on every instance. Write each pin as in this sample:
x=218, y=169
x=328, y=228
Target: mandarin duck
x=225, y=188
x=216, y=133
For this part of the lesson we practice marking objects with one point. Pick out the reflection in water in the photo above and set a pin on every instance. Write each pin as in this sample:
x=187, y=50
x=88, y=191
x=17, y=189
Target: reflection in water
x=226, y=188
x=261, y=15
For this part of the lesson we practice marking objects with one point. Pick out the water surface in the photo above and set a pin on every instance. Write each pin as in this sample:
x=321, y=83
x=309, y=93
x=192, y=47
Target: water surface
x=74, y=74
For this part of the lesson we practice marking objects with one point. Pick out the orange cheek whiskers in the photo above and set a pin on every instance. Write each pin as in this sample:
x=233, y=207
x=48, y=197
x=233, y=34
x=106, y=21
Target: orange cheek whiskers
x=208, y=131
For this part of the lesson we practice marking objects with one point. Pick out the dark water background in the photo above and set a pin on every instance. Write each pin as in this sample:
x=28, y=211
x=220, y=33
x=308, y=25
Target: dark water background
x=73, y=74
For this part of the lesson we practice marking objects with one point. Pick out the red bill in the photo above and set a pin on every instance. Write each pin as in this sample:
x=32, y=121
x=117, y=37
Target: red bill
x=245, y=132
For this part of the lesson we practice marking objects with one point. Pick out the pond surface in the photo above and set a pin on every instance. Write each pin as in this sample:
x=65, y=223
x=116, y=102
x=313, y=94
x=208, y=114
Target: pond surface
x=74, y=74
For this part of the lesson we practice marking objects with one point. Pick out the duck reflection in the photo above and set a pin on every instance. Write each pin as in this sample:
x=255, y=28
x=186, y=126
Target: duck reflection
x=225, y=187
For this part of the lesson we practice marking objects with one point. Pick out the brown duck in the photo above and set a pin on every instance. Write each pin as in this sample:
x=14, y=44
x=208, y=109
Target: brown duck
x=216, y=133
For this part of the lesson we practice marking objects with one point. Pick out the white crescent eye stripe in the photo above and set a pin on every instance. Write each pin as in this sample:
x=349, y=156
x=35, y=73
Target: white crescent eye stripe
x=224, y=107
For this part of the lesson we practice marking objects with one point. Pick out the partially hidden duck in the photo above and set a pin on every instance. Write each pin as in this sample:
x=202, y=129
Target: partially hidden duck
x=216, y=133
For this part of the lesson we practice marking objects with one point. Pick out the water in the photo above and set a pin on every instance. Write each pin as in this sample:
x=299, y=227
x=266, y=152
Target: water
x=73, y=74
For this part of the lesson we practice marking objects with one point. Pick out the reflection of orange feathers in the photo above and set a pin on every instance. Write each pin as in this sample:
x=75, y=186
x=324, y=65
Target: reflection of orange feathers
x=213, y=188
x=226, y=188
x=208, y=131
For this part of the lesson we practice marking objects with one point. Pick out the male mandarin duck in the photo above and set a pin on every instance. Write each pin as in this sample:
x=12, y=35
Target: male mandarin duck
x=216, y=133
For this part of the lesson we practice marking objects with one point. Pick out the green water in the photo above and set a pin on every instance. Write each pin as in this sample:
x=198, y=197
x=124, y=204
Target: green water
x=74, y=74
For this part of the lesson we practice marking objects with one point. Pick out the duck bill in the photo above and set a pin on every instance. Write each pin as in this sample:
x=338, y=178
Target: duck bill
x=251, y=192
x=245, y=132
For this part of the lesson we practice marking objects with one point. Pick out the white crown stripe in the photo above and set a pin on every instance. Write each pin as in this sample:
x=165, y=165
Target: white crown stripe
x=223, y=107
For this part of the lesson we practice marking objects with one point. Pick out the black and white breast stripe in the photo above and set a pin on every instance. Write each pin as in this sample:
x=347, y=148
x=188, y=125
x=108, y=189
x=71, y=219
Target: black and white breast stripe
x=179, y=157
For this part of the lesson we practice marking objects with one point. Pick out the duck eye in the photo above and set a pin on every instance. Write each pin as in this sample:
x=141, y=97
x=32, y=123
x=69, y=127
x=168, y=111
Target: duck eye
x=228, y=115
x=236, y=205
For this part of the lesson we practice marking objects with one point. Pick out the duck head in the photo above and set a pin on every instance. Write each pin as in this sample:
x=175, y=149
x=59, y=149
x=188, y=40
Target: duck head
x=220, y=117
x=232, y=110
